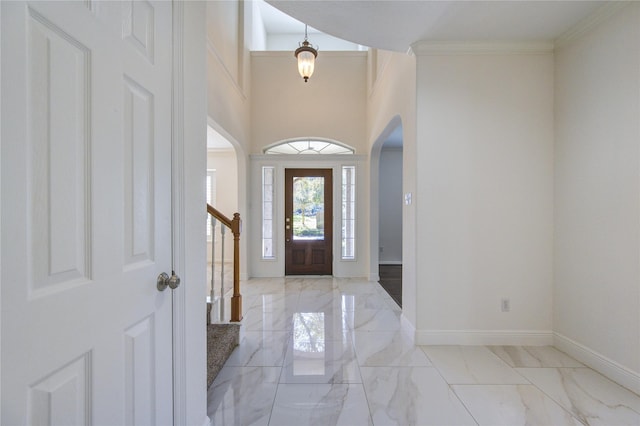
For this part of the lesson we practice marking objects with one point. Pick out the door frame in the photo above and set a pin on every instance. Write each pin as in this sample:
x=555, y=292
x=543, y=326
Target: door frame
x=327, y=241
x=188, y=173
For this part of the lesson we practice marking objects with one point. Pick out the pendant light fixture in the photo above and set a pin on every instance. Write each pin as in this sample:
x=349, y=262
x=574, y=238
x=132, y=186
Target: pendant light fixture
x=306, y=56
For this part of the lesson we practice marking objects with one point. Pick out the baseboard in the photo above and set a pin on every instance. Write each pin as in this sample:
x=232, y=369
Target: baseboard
x=374, y=277
x=607, y=367
x=207, y=421
x=484, y=337
x=390, y=262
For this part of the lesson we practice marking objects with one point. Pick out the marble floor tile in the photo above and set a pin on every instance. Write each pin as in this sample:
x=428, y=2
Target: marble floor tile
x=534, y=356
x=318, y=284
x=369, y=301
x=412, y=396
x=351, y=286
x=242, y=395
x=590, y=397
x=317, y=302
x=258, y=348
x=389, y=301
x=375, y=320
x=471, y=365
x=330, y=361
x=386, y=349
x=326, y=351
x=263, y=286
x=320, y=404
x=275, y=302
x=256, y=319
x=512, y=405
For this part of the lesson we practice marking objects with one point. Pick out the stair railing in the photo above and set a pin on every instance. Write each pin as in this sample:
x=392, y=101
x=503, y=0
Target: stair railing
x=235, y=225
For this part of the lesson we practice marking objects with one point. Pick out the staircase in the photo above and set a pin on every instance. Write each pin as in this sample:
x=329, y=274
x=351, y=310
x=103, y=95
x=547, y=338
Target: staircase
x=221, y=340
x=222, y=336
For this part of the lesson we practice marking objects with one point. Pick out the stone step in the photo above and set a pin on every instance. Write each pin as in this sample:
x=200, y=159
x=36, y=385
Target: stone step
x=221, y=340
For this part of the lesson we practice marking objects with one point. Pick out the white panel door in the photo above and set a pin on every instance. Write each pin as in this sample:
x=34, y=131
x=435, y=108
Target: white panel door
x=86, y=212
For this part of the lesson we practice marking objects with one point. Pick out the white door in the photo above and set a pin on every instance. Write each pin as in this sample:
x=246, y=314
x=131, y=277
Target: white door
x=86, y=212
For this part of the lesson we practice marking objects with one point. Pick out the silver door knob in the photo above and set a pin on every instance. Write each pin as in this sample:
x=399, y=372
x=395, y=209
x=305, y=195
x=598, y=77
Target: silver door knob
x=164, y=281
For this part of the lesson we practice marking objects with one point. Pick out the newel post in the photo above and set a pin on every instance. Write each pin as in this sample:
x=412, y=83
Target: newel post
x=236, y=299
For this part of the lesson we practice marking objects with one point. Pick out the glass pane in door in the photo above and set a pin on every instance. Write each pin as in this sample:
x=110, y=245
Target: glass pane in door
x=308, y=208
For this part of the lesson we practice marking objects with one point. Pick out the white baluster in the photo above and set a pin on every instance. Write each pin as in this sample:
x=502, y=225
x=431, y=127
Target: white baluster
x=222, y=233
x=213, y=264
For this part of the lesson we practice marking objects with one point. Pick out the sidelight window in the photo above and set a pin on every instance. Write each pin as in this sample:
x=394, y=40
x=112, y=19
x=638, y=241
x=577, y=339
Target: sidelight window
x=348, y=212
x=268, y=181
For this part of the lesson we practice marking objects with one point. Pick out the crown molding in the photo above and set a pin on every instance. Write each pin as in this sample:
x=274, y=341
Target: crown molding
x=429, y=48
x=591, y=22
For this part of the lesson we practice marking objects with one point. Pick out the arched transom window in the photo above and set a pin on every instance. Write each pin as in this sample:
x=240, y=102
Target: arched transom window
x=308, y=146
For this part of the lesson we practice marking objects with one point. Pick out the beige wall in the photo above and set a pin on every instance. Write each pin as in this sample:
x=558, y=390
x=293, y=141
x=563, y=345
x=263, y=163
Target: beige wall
x=332, y=104
x=226, y=166
x=392, y=102
x=228, y=65
x=230, y=32
x=484, y=195
x=597, y=237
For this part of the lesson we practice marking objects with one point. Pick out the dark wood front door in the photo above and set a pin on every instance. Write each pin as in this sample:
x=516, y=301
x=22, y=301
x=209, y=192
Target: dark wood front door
x=308, y=221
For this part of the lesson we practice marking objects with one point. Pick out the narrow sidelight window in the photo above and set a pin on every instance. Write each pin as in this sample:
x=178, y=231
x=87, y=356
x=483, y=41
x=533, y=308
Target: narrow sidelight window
x=268, y=180
x=348, y=212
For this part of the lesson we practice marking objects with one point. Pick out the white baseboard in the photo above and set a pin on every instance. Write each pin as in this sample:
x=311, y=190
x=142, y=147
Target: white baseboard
x=607, y=367
x=374, y=277
x=408, y=328
x=390, y=262
x=484, y=337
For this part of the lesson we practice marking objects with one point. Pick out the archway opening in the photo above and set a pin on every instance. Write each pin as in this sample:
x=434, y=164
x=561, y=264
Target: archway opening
x=386, y=209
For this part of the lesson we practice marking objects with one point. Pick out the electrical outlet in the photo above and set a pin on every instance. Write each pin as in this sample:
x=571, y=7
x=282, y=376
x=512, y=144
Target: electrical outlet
x=505, y=304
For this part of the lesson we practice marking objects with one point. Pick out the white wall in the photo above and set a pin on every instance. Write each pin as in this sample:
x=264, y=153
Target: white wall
x=190, y=382
x=332, y=104
x=597, y=207
x=390, y=200
x=484, y=198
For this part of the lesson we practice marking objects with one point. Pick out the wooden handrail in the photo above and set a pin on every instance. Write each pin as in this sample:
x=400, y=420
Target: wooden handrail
x=235, y=225
x=218, y=215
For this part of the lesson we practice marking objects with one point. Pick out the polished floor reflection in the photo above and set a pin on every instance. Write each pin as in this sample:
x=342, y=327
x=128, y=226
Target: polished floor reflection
x=326, y=351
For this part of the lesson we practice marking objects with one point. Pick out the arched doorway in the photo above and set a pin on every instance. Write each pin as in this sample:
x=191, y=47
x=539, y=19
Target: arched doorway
x=387, y=201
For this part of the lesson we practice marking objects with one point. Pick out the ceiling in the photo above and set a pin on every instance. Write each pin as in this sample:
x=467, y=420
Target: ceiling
x=397, y=24
x=278, y=22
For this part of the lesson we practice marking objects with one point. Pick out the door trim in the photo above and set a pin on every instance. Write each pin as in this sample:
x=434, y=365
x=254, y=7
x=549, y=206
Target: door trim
x=177, y=217
x=326, y=267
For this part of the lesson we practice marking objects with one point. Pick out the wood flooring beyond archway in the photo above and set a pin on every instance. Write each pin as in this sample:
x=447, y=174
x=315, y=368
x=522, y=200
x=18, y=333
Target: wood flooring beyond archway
x=391, y=281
